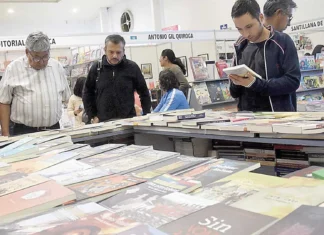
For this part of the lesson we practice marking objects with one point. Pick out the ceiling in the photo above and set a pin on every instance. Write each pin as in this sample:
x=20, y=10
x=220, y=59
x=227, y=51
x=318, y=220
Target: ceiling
x=51, y=10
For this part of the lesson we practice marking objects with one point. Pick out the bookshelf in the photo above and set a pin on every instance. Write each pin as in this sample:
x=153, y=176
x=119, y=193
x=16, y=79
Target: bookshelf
x=309, y=90
x=220, y=103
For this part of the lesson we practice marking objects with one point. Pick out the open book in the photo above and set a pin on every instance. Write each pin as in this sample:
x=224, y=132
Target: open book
x=241, y=70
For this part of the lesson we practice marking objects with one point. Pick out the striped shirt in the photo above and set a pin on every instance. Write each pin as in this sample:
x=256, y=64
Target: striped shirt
x=35, y=96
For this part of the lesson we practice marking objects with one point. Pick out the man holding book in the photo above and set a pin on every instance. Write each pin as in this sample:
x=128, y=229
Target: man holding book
x=270, y=54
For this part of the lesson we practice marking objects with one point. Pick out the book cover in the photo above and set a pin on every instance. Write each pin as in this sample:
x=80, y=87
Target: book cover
x=238, y=186
x=137, y=161
x=282, y=200
x=307, y=63
x=192, y=116
x=201, y=92
x=142, y=229
x=64, y=168
x=103, y=223
x=133, y=197
x=80, y=176
x=52, y=218
x=166, y=209
x=199, y=68
x=304, y=220
x=22, y=183
x=215, y=92
x=33, y=200
x=16, y=144
x=108, y=156
x=218, y=219
x=103, y=185
x=221, y=65
x=225, y=85
x=99, y=150
x=319, y=174
x=216, y=169
x=169, y=166
x=11, y=176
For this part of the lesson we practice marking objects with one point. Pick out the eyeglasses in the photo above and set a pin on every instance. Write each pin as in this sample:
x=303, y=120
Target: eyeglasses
x=37, y=59
x=290, y=17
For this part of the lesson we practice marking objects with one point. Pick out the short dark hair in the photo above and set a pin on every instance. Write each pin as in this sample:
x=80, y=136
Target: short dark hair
x=78, y=88
x=115, y=38
x=271, y=6
x=242, y=7
x=168, y=80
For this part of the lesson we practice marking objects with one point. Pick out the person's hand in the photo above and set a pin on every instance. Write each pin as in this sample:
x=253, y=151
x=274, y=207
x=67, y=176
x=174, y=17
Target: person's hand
x=242, y=81
x=77, y=111
x=95, y=120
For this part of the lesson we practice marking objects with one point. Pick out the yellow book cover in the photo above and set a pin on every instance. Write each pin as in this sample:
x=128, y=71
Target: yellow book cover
x=238, y=186
x=282, y=200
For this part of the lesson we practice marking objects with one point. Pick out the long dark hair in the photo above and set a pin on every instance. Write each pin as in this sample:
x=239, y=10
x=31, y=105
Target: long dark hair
x=173, y=59
x=168, y=80
x=78, y=88
x=317, y=49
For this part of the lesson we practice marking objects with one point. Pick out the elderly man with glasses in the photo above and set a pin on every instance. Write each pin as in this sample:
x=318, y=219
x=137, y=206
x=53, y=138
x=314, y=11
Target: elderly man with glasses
x=33, y=89
x=278, y=14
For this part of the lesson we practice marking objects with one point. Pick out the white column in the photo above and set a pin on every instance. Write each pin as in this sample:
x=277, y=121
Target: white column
x=157, y=8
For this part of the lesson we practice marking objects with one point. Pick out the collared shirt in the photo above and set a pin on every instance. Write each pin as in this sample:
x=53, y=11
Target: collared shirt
x=35, y=96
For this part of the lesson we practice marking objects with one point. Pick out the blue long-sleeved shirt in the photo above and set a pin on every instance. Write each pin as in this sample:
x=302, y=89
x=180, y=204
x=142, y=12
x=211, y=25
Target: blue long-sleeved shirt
x=172, y=100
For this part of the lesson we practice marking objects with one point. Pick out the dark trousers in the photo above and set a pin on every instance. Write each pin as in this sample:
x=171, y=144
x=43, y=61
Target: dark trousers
x=20, y=129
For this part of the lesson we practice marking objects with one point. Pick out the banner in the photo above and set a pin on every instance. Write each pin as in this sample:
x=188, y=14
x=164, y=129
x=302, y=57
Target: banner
x=315, y=24
x=143, y=38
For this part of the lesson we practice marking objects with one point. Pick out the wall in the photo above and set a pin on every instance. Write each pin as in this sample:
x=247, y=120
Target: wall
x=210, y=14
x=142, y=13
x=53, y=28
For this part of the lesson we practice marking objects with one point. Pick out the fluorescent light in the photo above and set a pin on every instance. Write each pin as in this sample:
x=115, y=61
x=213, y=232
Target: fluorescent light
x=75, y=10
x=11, y=11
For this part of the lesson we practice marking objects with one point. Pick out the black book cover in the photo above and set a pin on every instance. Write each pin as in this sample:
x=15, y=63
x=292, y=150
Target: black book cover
x=218, y=219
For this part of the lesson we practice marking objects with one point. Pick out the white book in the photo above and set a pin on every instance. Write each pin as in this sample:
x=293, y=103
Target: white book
x=241, y=70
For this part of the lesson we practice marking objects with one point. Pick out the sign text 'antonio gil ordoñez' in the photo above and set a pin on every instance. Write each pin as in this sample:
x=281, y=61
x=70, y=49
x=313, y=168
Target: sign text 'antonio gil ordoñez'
x=171, y=36
x=19, y=43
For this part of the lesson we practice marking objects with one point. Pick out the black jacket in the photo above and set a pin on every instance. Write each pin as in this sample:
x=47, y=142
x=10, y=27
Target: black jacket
x=112, y=96
x=282, y=66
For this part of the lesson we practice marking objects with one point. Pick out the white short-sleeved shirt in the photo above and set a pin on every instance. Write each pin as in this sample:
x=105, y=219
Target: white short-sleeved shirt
x=35, y=96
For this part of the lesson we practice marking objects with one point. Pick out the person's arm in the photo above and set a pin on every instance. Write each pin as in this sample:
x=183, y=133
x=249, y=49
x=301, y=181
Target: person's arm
x=286, y=84
x=5, y=118
x=142, y=90
x=71, y=107
x=158, y=108
x=89, y=93
x=171, y=102
x=6, y=92
x=66, y=89
x=184, y=84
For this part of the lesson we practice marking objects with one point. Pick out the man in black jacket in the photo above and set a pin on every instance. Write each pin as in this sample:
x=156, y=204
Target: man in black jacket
x=109, y=89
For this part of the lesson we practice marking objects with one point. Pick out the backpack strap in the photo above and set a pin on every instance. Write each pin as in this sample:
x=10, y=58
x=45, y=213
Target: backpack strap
x=99, y=67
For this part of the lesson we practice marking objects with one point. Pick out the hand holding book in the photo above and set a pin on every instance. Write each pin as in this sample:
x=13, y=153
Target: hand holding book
x=243, y=81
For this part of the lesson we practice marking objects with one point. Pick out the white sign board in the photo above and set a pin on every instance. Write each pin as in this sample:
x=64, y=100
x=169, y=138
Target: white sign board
x=314, y=24
x=18, y=43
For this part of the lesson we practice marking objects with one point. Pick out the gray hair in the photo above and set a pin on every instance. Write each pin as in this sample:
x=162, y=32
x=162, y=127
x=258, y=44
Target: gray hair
x=271, y=6
x=38, y=42
x=115, y=38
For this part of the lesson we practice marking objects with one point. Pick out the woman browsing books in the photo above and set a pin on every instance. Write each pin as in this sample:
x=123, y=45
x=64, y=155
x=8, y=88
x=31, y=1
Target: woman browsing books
x=169, y=61
x=173, y=99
